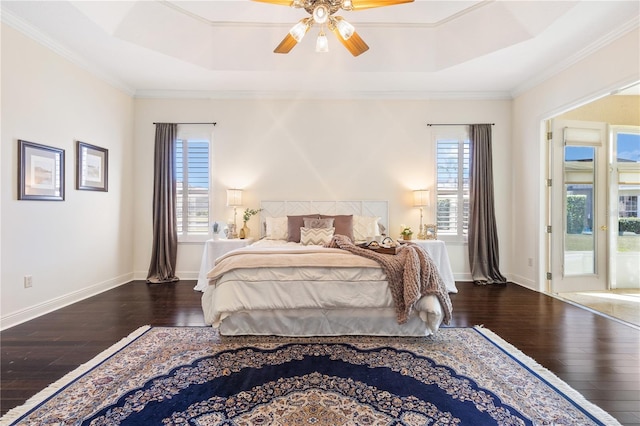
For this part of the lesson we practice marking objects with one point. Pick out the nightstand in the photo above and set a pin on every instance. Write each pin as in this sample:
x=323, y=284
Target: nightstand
x=438, y=252
x=213, y=249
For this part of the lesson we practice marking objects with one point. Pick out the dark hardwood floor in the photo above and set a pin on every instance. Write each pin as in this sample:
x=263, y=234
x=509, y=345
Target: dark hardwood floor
x=595, y=355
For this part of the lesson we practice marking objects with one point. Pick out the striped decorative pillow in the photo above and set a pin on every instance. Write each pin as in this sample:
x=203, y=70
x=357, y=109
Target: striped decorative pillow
x=316, y=236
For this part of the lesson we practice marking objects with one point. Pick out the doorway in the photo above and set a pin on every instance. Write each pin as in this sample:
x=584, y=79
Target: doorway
x=579, y=214
x=594, y=189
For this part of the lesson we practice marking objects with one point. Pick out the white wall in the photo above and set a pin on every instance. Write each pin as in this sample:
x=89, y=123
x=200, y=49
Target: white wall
x=320, y=150
x=84, y=244
x=614, y=66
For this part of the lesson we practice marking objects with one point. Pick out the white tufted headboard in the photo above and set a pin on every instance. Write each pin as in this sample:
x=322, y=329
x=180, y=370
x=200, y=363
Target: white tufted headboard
x=361, y=208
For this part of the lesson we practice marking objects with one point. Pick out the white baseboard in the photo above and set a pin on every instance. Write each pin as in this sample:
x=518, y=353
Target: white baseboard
x=15, y=318
x=524, y=282
x=140, y=275
x=465, y=276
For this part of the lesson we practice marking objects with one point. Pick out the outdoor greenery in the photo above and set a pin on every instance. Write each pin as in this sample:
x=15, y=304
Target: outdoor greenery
x=576, y=205
x=443, y=214
x=629, y=224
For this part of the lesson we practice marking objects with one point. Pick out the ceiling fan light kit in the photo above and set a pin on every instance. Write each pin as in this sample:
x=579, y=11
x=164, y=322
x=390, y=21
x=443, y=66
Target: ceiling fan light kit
x=300, y=29
x=345, y=29
x=322, y=43
x=322, y=12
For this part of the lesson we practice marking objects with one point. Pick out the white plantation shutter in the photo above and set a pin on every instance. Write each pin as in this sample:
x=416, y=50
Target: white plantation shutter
x=192, y=182
x=192, y=187
x=452, y=187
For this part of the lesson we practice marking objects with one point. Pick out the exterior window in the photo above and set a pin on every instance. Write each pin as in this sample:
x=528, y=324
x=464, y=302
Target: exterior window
x=452, y=188
x=628, y=206
x=192, y=189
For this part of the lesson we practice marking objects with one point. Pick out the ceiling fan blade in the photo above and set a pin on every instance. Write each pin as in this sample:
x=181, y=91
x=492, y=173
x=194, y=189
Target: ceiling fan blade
x=278, y=2
x=354, y=44
x=294, y=35
x=368, y=4
x=286, y=44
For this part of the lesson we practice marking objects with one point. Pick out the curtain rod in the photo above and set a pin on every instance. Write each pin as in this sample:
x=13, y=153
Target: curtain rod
x=186, y=123
x=456, y=124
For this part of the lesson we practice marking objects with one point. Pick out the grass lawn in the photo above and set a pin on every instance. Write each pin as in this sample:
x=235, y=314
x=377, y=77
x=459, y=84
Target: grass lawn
x=580, y=242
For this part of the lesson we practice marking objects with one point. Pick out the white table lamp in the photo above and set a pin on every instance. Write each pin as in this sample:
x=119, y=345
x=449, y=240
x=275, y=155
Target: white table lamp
x=234, y=199
x=421, y=199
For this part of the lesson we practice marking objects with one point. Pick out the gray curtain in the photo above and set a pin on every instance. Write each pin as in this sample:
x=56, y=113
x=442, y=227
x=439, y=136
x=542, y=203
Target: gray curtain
x=164, y=252
x=483, y=236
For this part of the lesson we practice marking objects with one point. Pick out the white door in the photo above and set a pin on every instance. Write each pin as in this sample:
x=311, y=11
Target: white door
x=624, y=211
x=578, y=206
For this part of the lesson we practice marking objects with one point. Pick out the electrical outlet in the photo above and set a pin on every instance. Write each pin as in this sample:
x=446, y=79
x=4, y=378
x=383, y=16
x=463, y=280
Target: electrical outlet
x=530, y=261
x=28, y=281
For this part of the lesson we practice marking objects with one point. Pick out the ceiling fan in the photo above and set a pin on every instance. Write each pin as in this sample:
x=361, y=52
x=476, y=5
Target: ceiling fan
x=322, y=13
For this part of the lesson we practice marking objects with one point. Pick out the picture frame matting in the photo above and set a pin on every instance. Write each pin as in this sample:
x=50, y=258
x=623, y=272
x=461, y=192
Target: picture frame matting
x=92, y=167
x=40, y=172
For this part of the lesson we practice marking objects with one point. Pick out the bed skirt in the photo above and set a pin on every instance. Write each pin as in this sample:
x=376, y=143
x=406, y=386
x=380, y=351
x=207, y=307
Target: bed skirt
x=332, y=322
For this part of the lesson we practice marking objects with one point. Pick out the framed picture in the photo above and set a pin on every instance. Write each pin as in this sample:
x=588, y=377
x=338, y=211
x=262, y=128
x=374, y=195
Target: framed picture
x=40, y=172
x=92, y=167
x=431, y=232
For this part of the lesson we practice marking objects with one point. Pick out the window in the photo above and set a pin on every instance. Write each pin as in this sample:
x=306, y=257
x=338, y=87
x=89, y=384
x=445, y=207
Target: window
x=628, y=206
x=452, y=187
x=192, y=188
x=627, y=166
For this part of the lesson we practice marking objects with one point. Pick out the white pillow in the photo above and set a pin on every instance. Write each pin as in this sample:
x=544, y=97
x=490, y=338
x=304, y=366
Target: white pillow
x=316, y=236
x=365, y=226
x=277, y=228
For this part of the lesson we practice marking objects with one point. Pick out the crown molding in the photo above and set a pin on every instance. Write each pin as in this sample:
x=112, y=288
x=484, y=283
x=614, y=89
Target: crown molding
x=28, y=30
x=286, y=95
x=612, y=36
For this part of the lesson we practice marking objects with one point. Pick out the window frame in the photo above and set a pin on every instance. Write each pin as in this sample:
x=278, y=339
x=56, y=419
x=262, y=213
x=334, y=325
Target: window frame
x=462, y=192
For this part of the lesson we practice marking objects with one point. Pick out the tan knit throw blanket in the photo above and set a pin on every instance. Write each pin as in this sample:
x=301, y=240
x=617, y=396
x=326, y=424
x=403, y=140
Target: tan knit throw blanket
x=411, y=274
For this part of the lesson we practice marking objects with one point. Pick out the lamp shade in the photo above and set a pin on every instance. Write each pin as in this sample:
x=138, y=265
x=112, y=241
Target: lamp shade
x=234, y=197
x=421, y=198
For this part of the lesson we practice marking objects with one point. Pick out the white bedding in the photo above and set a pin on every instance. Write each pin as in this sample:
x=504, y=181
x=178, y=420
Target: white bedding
x=311, y=300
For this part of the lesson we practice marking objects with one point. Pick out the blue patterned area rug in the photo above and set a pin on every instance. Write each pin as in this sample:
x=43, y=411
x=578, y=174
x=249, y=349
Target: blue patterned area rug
x=192, y=376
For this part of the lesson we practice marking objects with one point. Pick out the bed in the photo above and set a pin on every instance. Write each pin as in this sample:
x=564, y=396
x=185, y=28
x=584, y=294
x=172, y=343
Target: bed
x=291, y=285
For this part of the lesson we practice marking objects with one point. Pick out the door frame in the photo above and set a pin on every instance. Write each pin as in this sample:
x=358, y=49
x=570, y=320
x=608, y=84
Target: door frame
x=557, y=281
